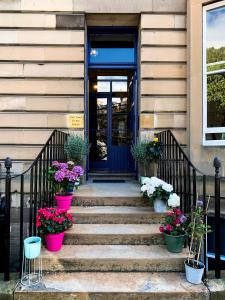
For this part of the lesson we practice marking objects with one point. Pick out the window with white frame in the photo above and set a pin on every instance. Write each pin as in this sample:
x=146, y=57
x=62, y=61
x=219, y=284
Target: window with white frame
x=214, y=74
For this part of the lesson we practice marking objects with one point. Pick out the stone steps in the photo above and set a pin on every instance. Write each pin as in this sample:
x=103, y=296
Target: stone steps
x=114, y=251
x=109, y=201
x=108, y=258
x=114, y=286
x=115, y=215
x=114, y=234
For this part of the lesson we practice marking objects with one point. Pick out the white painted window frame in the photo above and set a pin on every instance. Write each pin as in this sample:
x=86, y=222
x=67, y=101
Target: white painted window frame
x=206, y=129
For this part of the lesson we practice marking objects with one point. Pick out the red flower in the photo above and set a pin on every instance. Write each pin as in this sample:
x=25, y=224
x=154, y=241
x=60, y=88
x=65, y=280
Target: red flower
x=169, y=228
x=177, y=211
x=176, y=222
x=170, y=213
x=161, y=228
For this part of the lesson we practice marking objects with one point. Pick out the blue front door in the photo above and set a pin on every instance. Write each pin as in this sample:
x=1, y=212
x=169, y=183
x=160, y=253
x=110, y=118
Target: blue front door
x=111, y=123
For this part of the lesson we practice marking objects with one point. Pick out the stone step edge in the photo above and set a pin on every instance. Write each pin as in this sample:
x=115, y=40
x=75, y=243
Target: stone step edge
x=116, y=285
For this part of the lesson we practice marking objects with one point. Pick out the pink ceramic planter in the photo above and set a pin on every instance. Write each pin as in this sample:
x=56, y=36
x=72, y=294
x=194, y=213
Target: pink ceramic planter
x=54, y=241
x=64, y=202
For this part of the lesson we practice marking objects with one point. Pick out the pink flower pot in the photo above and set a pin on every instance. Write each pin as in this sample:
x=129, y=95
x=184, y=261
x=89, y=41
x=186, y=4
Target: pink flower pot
x=64, y=202
x=54, y=241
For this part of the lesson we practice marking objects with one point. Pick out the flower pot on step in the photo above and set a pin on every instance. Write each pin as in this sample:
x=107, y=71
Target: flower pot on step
x=64, y=202
x=174, y=244
x=32, y=247
x=160, y=206
x=194, y=271
x=54, y=241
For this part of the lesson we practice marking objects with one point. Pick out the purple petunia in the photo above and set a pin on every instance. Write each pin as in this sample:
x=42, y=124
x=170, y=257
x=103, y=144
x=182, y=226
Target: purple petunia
x=59, y=176
x=79, y=170
x=183, y=218
x=199, y=203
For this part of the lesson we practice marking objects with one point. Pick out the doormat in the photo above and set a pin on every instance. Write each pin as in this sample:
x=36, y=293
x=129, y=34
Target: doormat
x=109, y=180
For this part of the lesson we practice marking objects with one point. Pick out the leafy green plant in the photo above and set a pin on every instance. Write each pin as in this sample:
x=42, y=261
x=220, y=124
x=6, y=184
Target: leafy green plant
x=197, y=229
x=76, y=148
x=145, y=152
x=139, y=153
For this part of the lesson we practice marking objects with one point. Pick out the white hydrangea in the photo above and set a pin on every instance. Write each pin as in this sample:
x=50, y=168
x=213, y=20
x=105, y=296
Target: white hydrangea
x=146, y=180
x=174, y=200
x=144, y=188
x=150, y=190
x=156, y=182
x=167, y=187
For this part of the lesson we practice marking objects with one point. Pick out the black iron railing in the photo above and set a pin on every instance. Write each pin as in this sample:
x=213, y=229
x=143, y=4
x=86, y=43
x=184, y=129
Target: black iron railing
x=32, y=190
x=190, y=184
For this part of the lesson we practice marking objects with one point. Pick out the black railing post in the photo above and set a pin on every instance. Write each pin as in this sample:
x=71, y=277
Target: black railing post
x=217, y=166
x=7, y=228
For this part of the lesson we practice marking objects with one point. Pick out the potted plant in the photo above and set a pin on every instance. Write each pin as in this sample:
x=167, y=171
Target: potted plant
x=158, y=193
x=174, y=229
x=139, y=153
x=146, y=153
x=194, y=268
x=61, y=176
x=52, y=223
x=32, y=247
x=76, y=149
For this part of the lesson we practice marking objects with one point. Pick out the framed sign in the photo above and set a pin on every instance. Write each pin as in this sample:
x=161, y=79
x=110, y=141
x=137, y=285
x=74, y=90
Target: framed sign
x=75, y=121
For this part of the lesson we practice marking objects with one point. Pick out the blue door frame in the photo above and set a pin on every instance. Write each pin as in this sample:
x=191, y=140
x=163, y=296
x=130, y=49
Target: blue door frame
x=114, y=66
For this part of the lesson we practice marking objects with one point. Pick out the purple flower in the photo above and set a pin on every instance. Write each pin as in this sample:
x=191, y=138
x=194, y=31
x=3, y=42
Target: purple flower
x=63, y=166
x=79, y=170
x=55, y=163
x=59, y=176
x=199, y=203
x=183, y=218
x=71, y=176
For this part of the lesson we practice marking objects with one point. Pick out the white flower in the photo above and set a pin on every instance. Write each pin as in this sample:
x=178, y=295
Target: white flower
x=144, y=188
x=156, y=182
x=174, y=200
x=167, y=187
x=146, y=180
x=150, y=190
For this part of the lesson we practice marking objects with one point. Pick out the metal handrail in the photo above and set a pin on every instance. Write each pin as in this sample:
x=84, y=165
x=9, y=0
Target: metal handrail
x=176, y=168
x=39, y=192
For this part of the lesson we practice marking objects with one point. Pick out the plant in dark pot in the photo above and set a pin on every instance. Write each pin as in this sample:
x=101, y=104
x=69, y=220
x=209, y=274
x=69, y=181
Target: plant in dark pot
x=174, y=229
x=52, y=223
x=197, y=229
x=146, y=153
x=61, y=176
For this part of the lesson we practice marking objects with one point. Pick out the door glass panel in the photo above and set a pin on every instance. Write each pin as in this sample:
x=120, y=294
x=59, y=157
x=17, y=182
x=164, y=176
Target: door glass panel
x=98, y=129
x=103, y=87
x=119, y=86
x=119, y=121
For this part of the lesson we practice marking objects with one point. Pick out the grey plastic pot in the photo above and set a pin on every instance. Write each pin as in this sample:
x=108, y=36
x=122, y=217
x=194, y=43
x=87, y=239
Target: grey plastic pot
x=194, y=275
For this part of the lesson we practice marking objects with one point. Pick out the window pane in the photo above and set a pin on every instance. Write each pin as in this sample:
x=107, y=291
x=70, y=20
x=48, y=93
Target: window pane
x=119, y=86
x=215, y=136
x=215, y=35
x=216, y=100
x=112, y=48
x=103, y=86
